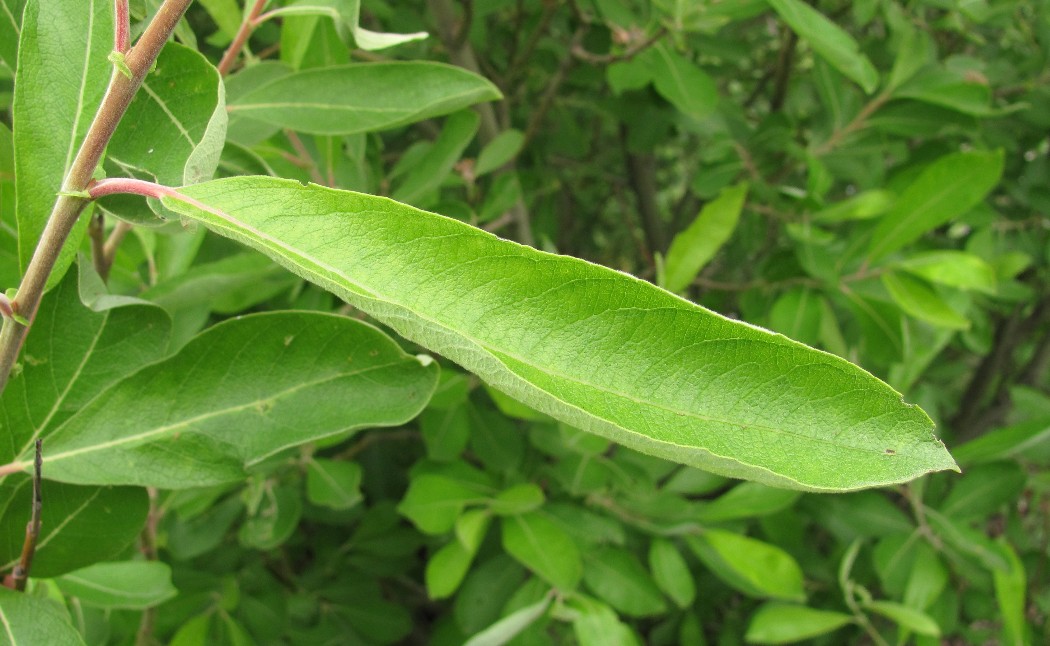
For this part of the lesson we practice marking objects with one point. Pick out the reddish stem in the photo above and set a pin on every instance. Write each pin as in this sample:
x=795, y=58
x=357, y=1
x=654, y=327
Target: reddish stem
x=122, y=31
x=249, y=24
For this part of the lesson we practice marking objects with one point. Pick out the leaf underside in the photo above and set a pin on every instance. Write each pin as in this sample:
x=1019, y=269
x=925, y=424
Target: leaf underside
x=593, y=347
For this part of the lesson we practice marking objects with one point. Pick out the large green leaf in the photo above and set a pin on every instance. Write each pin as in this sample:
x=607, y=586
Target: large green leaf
x=236, y=394
x=828, y=40
x=595, y=348
x=62, y=73
x=28, y=619
x=347, y=99
x=946, y=189
x=74, y=353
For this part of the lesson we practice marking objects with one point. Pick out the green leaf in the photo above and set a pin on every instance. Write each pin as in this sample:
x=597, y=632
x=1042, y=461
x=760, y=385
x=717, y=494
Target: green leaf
x=755, y=568
x=592, y=347
x=74, y=353
x=949, y=89
x=866, y=205
x=125, y=584
x=540, y=545
x=615, y=576
x=946, y=189
x=671, y=572
x=175, y=127
x=28, y=619
x=957, y=269
x=446, y=568
x=906, y=617
x=677, y=79
x=918, y=299
x=236, y=394
x=346, y=12
x=276, y=517
x=333, y=483
x=471, y=528
x=364, y=97
x=62, y=73
x=10, y=31
x=747, y=500
x=510, y=626
x=828, y=40
x=437, y=163
x=434, y=501
x=1010, y=590
x=697, y=244
x=1009, y=441
x=596, y=624
x=79, y=525
x=784, y=623
x=518, y=499
x=797, y=313
x=971, y=543
x=503, y=148
x=985, y=490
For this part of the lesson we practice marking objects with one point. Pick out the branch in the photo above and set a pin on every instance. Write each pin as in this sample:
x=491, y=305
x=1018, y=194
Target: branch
x=20, y=574
x=71, y=201
x=247, y=27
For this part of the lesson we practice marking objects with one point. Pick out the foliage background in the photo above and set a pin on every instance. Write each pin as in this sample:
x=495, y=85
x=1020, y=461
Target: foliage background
x=747, y=155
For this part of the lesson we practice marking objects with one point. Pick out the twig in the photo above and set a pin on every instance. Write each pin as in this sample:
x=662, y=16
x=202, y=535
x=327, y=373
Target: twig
x=581, y=53
x=547, y=99
x=109, y=250
x=859, y=122
x=122, y=28
x=20, y=574
x=71, y=201
x=782, y=75
x=245, y=30
x=306, y=157
x=144, y=637
x=641, y=174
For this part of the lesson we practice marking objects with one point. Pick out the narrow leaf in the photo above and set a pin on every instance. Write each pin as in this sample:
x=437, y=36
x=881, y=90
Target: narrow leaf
x=906, y=617
x=918, y=299
x=783, y=623
x=510, y=626
x=828, y=40
x=1010, y=591
x=126, y=584
x=236, y=394
x=946, y=189
x=365, y=97
x=62, y=73
x=957, y=269
x=499, y=151
x=693, y=248
x=599, y=350
x=440, y=158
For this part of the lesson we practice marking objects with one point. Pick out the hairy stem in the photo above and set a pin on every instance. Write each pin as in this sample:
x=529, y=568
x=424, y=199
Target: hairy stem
x=70, y=204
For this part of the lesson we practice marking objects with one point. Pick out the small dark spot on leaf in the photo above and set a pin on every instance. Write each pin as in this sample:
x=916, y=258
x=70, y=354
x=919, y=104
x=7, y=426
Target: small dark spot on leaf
x=890, y=452
x=373, y=353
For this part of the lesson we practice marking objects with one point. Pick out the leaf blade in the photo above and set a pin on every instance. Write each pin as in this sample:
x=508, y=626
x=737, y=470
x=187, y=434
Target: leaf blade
x=551, y=330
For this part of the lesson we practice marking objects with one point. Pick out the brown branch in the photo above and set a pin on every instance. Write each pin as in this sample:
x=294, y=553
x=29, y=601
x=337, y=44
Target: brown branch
x=641, y=175
x=71, y=201
x=859, y=122
x=782, y=74
x=20, y=574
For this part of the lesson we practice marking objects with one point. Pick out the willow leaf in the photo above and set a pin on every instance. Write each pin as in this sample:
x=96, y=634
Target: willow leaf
x=596, y=348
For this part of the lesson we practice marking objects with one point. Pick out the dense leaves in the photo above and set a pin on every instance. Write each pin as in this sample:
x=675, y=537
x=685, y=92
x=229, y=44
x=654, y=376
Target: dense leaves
x=866, y=179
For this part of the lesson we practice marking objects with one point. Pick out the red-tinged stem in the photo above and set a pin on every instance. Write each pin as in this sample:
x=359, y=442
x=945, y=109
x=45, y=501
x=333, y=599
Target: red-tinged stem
x=70, y=202
x=234, y=50
x=122, y=31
